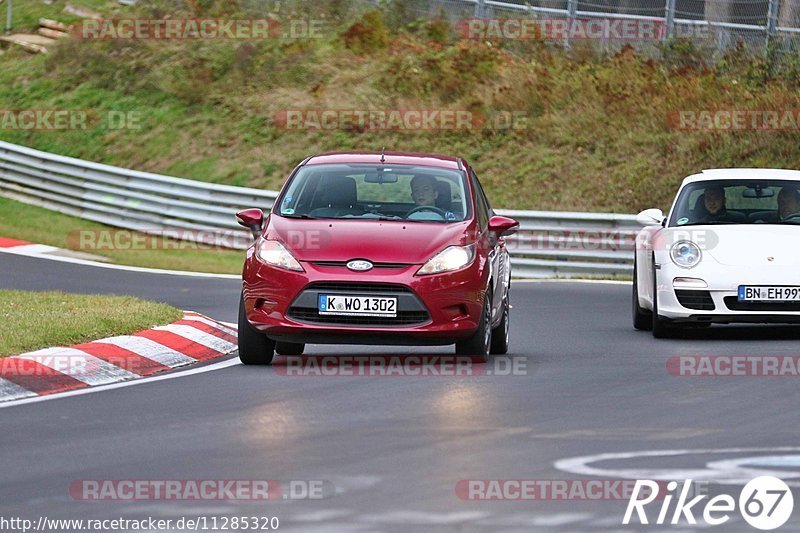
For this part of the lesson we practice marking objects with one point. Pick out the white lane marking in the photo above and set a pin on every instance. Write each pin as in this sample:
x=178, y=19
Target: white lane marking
x=31, y=249
x=91, y=390
x=186, y=273
x=222, y=326
x=143, y=270
x=79, y=365
x=773, y=460
x=421, y=517
x=324, y=515
x=571, y=280
x=528, y=519
x=149, y=349
x=12, y=391
x=200, y=337
x=719, y=471
x=346, y=484
x=560, y=519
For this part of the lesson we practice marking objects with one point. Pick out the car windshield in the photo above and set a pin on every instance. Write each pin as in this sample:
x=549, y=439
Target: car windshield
x=376, y=192
x=738, y=202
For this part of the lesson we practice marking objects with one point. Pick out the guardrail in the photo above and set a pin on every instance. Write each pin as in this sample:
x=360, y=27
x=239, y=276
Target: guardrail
x=549, y=244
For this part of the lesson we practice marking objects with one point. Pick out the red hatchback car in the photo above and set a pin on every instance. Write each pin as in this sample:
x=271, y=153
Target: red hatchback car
x=373, y=248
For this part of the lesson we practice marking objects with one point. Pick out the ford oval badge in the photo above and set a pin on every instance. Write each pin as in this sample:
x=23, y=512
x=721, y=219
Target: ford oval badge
x=359, y=265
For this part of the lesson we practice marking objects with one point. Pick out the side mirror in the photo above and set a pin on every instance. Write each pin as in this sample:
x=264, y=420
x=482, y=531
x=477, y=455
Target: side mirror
x=503, y=225
x=253, y=219
x=650, y=217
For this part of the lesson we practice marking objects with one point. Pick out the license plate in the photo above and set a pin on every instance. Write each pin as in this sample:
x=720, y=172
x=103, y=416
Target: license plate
x=337, y=304
x=768, y=293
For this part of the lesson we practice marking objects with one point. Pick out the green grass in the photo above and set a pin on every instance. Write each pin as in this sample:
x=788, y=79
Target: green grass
x=35, y=320
x=597, y=137
x=34, y=224
x=26, y=13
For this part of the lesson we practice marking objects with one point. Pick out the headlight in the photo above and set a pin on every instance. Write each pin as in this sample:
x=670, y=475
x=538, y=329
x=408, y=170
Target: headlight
x=451, y=258
x=685, y=254
x=273, y=253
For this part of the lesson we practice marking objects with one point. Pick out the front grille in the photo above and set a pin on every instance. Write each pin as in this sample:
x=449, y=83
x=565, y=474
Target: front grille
x=733, y=303
x=403, y=318
x=700, y=300
x=343, y=264
x=357, y=287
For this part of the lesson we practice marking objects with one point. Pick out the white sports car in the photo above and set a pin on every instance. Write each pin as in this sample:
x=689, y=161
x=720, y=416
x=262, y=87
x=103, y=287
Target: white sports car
x=729, y=251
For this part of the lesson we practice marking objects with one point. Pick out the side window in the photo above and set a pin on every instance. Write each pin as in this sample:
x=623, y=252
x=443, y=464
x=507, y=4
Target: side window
x=481, y=205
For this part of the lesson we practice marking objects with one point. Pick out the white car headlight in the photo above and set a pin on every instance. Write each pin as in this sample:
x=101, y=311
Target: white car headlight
x=449, y=259
x=685, y=254
x=273, y=253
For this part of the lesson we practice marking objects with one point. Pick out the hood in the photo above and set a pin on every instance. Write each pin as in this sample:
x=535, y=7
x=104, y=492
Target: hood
x=376, y=241
x=746, y=245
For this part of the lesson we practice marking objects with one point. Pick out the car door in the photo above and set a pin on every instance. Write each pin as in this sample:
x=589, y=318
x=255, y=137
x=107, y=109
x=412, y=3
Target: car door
x=494, y=247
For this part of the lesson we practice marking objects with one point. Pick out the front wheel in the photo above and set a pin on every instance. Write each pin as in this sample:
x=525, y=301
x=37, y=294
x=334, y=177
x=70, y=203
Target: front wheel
x=255, y=348
x=642, y=318
x=479, y=343
x=500, y=334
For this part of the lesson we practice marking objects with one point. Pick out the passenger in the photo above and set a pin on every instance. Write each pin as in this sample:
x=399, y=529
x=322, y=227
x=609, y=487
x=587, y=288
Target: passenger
x=788, y=203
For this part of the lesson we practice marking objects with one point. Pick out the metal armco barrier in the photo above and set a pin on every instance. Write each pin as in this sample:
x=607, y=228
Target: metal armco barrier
x=549, y=244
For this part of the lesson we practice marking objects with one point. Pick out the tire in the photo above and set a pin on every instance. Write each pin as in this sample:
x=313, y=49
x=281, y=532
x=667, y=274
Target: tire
x=289, y=348
x=500, y=333
x=661, y=329
x=479, y=344
x=255, y=348
x=642, y=318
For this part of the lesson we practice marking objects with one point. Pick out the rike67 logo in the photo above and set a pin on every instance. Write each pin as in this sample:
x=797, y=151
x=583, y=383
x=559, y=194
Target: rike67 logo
x=765, y=503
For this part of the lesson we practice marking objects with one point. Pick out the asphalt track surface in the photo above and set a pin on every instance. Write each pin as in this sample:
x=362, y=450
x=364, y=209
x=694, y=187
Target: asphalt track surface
x=391, y=450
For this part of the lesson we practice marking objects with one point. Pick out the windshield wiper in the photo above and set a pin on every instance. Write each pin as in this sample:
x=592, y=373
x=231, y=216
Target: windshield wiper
x=298, y=216
x=711, y=223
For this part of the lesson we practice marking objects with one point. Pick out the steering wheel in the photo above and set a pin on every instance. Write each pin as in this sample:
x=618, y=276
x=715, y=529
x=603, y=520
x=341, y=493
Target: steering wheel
x=436, y=210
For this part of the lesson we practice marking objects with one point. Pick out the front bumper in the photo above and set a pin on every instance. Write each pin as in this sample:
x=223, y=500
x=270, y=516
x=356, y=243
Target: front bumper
x=718, y=302
x=432, y=310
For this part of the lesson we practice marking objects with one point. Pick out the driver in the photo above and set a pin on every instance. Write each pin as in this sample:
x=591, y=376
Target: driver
x=714, y=200
x=714, y=204
x=424, y=191
x=788, y=203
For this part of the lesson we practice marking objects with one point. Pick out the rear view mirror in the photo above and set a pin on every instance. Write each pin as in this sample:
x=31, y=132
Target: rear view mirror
x=758, y=192
x=503, y=225
x=253, y=219
x=650, y=217
x=384, y=176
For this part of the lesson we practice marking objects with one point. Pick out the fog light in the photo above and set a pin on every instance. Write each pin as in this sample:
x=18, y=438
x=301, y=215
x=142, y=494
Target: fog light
x=689, y=283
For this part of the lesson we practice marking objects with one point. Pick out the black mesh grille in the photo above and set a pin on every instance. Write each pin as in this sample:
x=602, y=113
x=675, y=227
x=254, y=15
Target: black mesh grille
x=403, y=318
x=358, y=287
x=700, y=300
x=733, y=303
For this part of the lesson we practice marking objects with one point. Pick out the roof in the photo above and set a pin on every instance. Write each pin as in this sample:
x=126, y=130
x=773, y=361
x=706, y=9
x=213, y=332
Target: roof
x=391, y=158
x=743, y=174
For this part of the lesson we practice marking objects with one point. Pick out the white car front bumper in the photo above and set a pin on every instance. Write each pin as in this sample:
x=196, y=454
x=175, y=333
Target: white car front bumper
x=721, y=292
